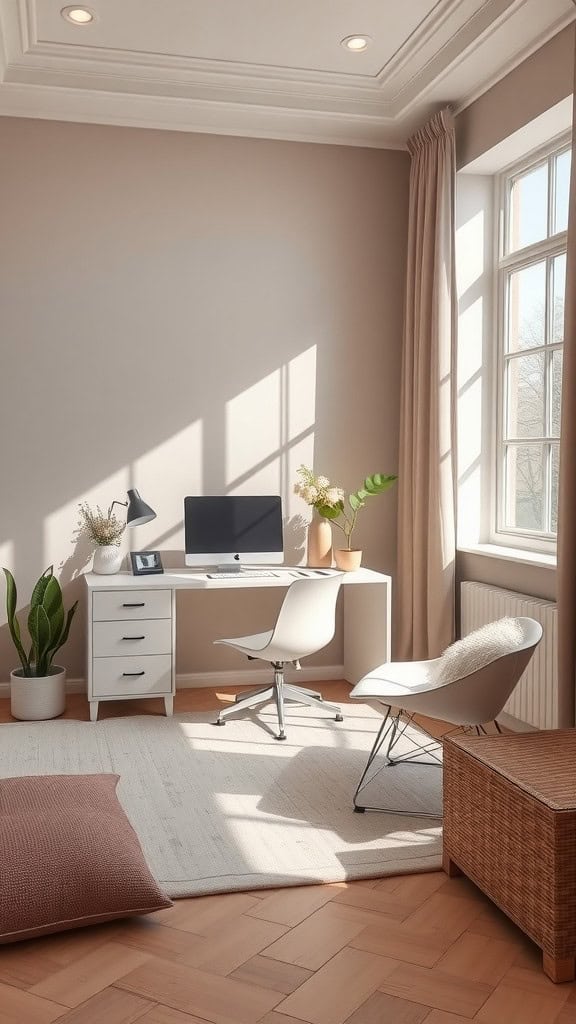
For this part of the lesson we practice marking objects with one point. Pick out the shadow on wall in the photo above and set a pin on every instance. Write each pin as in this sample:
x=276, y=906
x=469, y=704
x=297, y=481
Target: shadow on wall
x=187, y=330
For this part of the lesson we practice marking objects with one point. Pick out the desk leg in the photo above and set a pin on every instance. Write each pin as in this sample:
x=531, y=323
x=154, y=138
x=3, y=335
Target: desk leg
x=93, y=710
x=367, y=608
x=169, y=705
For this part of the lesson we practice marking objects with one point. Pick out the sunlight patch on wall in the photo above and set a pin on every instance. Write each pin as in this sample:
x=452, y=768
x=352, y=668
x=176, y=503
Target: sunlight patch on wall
x=164, y=476
x=470, y=245
x=474, y=287
x=301, y=392
x=254, y=431
x=270, y=431
x=301, y=423
x=7, y=555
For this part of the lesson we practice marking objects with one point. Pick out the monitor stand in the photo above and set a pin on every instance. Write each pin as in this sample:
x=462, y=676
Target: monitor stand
x=229, y=567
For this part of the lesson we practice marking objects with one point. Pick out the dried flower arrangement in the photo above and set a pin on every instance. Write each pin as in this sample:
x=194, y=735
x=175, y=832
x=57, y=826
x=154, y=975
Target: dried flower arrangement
x=103, y=528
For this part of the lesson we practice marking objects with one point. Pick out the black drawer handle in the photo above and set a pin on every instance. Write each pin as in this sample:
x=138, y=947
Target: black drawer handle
x=142, y=673
x=133, y=637
x=136, y=604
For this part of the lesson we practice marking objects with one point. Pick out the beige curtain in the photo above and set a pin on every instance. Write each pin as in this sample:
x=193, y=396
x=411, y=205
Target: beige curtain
x=425, y=593
x=566, y=571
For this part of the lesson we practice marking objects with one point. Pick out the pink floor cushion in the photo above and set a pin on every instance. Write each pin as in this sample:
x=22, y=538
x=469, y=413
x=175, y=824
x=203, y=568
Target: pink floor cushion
x=69, y=857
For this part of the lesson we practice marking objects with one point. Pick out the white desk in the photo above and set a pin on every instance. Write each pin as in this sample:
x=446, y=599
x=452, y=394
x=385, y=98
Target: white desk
x=131, y=626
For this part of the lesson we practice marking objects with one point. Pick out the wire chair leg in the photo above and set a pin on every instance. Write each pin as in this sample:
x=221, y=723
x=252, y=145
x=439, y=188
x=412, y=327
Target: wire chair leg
x=386, y=727
x=393, y=728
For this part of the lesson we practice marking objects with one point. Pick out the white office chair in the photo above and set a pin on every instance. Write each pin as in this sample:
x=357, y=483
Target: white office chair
x=472, y=698
x=305, y=624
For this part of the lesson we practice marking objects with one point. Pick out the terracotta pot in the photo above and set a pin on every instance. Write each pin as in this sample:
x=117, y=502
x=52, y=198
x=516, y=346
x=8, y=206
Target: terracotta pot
x=347, y=560
x=36, y=698
x=319, y=543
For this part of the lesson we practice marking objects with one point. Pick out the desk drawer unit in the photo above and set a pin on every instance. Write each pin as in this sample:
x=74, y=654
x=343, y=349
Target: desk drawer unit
x=131, y=604
x=131, y=636
x=132, y=677
x=131, y=646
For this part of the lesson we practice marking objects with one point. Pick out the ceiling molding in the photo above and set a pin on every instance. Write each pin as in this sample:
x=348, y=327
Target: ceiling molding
x=458, y=51
x=220, y=118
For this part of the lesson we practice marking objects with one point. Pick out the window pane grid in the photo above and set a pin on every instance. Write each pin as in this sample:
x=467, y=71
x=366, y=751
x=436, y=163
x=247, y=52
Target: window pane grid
x=532, y=274
x=528, y=507
x=546, y=184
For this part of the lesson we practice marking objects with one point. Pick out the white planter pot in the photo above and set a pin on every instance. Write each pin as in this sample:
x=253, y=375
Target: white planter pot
x=107, y=559
x=35, y=698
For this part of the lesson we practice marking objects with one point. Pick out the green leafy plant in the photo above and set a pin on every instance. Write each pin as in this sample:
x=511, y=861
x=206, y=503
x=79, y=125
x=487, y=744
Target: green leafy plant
x=48, y=624
x=340, y=510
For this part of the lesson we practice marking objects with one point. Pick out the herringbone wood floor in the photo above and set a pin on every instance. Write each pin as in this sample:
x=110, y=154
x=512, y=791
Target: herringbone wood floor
x=414, y=949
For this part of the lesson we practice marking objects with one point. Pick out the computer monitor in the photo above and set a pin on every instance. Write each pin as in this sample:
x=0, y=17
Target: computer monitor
x=228, y=530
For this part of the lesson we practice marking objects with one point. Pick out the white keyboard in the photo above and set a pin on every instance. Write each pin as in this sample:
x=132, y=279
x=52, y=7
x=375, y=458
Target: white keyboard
x=239, y=575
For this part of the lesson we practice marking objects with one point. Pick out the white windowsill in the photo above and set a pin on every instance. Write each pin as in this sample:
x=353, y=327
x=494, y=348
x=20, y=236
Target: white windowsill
x=519, y=555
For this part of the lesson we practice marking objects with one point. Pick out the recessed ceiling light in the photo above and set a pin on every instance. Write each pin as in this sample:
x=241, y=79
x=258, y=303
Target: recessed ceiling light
x=77, y=15
x=356, y=43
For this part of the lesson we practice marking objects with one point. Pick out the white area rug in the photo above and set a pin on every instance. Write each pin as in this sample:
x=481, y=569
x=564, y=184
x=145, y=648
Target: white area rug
x=219, y=809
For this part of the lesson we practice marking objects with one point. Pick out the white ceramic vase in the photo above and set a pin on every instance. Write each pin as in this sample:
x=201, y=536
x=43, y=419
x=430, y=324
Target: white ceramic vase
x=36, y=698
x=107, y=559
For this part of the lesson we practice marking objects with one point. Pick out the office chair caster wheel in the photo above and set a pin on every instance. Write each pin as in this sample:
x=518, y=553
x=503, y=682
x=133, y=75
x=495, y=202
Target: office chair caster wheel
x=281, y=736
x=359, y=810
x=218, y=722
x=339, y=718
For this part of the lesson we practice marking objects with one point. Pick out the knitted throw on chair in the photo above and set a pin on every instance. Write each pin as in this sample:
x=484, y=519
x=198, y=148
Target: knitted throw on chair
x=478, y=649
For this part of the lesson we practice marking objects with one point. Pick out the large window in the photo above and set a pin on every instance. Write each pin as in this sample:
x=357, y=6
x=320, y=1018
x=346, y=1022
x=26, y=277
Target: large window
x=531, y=272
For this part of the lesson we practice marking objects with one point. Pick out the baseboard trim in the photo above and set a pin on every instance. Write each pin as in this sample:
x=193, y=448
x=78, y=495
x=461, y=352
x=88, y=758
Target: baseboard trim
x=247, y=676
x=231, y=677
x=72, y=686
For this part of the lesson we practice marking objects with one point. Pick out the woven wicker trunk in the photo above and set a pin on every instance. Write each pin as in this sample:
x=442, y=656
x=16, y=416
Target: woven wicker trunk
x=510, y=826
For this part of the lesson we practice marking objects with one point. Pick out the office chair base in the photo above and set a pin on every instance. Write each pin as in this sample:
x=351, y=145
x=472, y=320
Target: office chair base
x=280, y=692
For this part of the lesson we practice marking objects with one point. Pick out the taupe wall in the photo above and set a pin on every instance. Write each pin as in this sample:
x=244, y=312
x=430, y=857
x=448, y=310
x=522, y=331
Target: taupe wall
x=191, y=314
x=541, y=81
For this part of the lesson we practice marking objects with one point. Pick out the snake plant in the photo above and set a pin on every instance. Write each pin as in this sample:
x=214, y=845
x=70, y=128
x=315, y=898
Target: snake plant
x=48, y=624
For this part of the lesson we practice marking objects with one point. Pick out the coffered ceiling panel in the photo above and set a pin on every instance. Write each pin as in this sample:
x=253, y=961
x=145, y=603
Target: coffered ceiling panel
x=272, y=34
x=267, y=68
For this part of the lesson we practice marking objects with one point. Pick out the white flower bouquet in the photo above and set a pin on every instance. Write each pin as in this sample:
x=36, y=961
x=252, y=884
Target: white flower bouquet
x=318, y=492
x=330, y=501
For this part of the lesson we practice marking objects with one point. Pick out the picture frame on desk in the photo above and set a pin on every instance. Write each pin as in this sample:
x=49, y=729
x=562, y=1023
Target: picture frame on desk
x=146, y=563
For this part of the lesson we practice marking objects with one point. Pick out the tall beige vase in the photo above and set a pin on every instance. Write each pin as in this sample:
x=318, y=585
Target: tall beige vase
x=319, y=543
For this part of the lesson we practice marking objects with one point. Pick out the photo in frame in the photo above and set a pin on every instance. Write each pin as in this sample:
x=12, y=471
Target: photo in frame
x=146, y=563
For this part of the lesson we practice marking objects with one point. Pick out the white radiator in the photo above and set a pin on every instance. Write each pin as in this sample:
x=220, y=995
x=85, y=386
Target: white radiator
x=535, y=700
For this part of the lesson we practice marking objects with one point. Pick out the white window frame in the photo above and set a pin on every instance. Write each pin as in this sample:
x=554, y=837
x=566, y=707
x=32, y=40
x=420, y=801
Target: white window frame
x=504, y=262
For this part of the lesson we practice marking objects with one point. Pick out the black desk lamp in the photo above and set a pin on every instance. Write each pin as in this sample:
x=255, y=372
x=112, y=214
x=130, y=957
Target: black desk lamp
x=138, y=511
